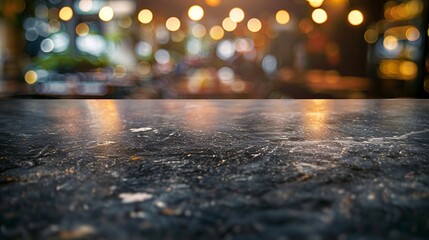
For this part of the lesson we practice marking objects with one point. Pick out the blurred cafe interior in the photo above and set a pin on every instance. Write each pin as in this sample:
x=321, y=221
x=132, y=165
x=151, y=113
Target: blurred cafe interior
x=177, y=49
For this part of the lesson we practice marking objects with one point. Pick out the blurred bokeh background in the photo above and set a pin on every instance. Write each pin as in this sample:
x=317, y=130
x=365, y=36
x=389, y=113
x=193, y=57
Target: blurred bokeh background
x=214, y=49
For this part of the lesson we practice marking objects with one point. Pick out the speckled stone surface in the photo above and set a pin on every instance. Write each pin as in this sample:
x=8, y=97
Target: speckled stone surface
x=231, y=169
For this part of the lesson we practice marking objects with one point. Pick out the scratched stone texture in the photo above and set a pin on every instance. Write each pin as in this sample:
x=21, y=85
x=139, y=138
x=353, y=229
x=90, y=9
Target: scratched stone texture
x=210, y=169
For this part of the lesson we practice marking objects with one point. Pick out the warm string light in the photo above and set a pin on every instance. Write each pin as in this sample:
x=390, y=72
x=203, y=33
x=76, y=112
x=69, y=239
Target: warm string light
x=319, y=16
x=315, y=3
x=106, y=14
x=216, y=32
x=229, y=24
x=213, y=3
x=355, y=17
x=254, y=25
x=196, y=13
x=31, y=77
x=172, y=24
x=282, y=17
x=145, y=16
x=237, y=15
x=66, y=13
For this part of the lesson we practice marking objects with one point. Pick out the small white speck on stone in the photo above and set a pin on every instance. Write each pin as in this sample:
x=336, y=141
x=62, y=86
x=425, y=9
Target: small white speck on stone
x=134, y=197
x=160, y=204
x=142, y=129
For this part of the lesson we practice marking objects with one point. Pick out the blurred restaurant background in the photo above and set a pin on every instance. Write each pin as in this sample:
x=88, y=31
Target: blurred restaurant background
x=214, y=49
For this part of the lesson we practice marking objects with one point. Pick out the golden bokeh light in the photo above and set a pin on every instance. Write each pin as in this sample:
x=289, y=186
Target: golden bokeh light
x=172, y=24
x=216, y=32
x=404, y=11
x=66, y=13
x=319, y=16
x=212, y=3
x=412, y=34
x=229, y=25
x=196, y=13
x=282, y=17
x=408, y=70
x=82, y=29
x=315, y=3
x=198, y=31
x=389, y=67
x=254, y=25
x=355, y=17
x=371, y=36
x=145, y=16
x=106, y=14
x=237, y=15
x=398, y=69
x=390, y=42
x=30, y=77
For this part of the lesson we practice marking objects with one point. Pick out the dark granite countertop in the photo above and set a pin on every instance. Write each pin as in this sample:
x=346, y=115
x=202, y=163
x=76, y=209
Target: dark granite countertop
x=191, y=169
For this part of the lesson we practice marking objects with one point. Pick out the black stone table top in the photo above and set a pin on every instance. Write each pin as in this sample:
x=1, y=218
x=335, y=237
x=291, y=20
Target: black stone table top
x=233, y=169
